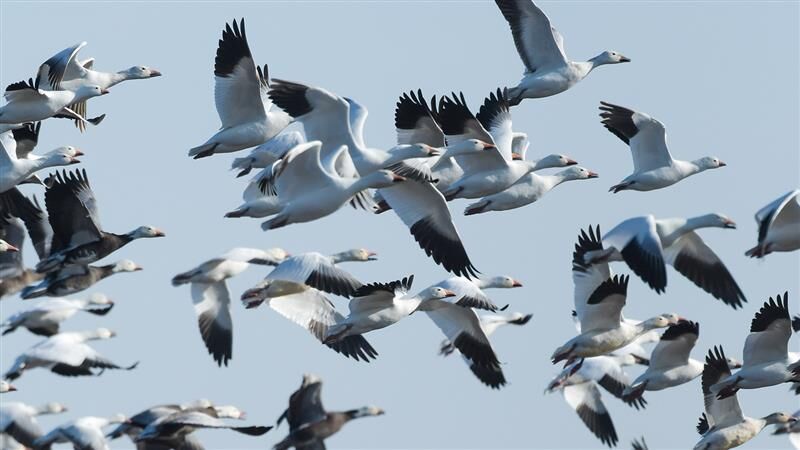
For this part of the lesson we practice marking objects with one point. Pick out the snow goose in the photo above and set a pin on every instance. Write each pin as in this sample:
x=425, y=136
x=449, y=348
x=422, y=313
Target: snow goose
x=45, y=318
x=5, y=387
x=173, y=429
x=309, y=423
x=85, y=433
x=308, y=191
x=212, y=302
x=599, y=299
x=139, y=421
x=14, y=171
x=78, y=237
x=240, y=89
x=653, y=165
x=259, y=200
x=418, y=203
x=267, y=153
x=491, y=376
x=670, y=364
x=778, y=226
x=792, y=429
x=378, y=305
x=494, y=169
x=284, y=291
x=541, y=48
x=18, y=421
x=578, y=383
x=470, y=292
x=66, y=354
x=14, y=276
x=766, y=358
x=528, y=189
x=63, y=71
x=28, y=103
x=74, y=279
x=723, y=425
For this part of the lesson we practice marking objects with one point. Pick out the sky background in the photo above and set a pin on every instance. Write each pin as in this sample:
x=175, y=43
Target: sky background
x=722, y=76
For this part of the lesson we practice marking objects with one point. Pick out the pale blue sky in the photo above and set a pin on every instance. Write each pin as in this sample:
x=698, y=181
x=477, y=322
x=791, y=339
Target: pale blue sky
x=722, y=76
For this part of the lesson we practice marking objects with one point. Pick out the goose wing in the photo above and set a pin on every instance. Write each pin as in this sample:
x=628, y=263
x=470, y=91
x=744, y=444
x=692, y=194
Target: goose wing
x=586, y=400
x=603, y=309
x=770, y=331
x=301, y=171
x=468, y=294
x=675, y=345
x=495, y=117
x=586, y=278
x=637, y=241
x=459, y=124
x=415, y=121
x=374, y=297
x=318, y=271
x=60, y=67
x=783, y=211
x=72, y=210
x=539, y=44
x=645, y=135
x=462, y=328
x=237, y=87
x=212, y=305
x=725, y=412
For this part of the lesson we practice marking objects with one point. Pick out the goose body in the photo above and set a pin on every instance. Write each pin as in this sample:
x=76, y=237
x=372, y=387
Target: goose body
x=240, y=96
x=541, y=48
x=14, y=171
x=173, y=429
x=470, y=293
x=778, y=226
x=74, y=279
x=45, y=318
x=28, y=103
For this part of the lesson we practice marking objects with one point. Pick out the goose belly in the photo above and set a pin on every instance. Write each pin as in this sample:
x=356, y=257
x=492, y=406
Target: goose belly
x=655, y=179
x=240, y=137
x=378, y=320
x=545, y=84
x=763, y=375
x=784, y=239
x=670, y=378
x=27, y=112
x=486, y=183
x=601, y=343
x=313, y=207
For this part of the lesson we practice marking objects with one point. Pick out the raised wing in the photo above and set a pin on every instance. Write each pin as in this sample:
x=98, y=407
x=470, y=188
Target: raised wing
x=587, y=277
x=468, y=295
x=645, y=135
x=585, y=399
x=374, y=297
x=61, y=66
x=301, y=171
x=603, y=308
x=637, y=241
x=318, y=271
x=495, y=116
x=462, y=328
x=212, y=304
x=675, y=346
x=72, y=210
x=416, y=122
x=539, y=45
x=725, y=412
x=459, y=124
x=770, y=331
x=237, y=88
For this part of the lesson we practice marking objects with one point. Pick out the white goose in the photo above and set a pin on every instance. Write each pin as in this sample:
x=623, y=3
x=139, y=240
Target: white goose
x=723, y=425
x=379, y=305
x=308, y=191
x=670, y=364
x=66, y=354
x=28, y=103
x=240, y=97
x=63, y=71
x=653, y=165
x=470, y=293
x=541, y=48
x=267, y=153
x=85, y=433
x=212, y=302
x=494, y=169
x=18, y=425
x=766, y=352
x=46, y=317
x=14, y=171
x=778, y=226
x=528, y=189
x=490, y=375
x=579, y=381
x=599, y=299
x=646, y=243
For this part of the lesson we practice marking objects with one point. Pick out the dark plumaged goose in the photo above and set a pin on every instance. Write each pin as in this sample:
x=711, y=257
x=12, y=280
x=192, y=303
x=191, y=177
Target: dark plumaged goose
x=66, y=354
x=18, y=421
x=45, y=318
x=309, y=423
x=778, y=226
x=73, y=279
x=172, y=430
x=78, y=237
x=85, y=433
x=212, y=302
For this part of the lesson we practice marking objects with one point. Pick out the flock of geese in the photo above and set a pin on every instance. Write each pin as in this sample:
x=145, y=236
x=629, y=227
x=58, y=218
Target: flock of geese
x=310, y=159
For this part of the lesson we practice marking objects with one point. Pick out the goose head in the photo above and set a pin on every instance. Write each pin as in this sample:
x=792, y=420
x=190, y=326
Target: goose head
x=5, y=386
x=467, y=146
x=709, y=162
x=86, y=92
x=610, y=57
x=356, y=254
x=140, y=72
x=366, y=411
x=229, y=412
x=715, y=220
x=53, y=408
x=435, y=293
x=779, y=417
x=661, y=321
x=63, y=156
x=381, y=179
x=146, y=231
x=70, y=150
x=502, y=282
x=6, y=247
x=733, y=363
x=100, y=299
x=126, y=265
x=578, y=173
x=555, y=160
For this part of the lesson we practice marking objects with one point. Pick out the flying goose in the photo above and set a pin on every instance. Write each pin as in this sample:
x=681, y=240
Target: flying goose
x=74, y=279
x=490, y=375
x=78, y=237
x=14, y=171
x=792, y=429
x=541, y=48
x=309, y=191
x=766, y=351
x=469, y=292
x=378, y=305
x=646, y=244
x=267, y=153
x=27, y=102
x=494, y=169
x=653, y=165
x=309, y=423
x=211, y=299
x=45, y=318
x=5, y=387
x=528, y=189
x=66, y=354
x=670, y=364
x=259, y=199
x=85, y=433
x=778, y=226
x=599, y=299
x=18, y=421
x=63, y=71
x=240, y=89
x=723, y=425
x=579, y=381
x=174, y=428
x=14, y=276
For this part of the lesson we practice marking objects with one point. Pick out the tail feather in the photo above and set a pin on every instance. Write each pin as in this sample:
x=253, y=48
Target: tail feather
x=203, y=151
x=477, y=208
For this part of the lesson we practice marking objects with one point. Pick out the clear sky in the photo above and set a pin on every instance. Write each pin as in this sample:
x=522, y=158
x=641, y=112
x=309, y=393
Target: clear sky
x=722, y=76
